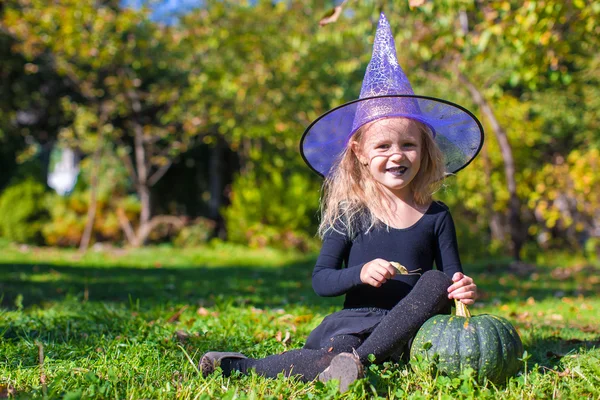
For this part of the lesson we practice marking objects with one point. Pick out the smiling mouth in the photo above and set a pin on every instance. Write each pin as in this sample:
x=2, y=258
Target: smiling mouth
x=397, y=171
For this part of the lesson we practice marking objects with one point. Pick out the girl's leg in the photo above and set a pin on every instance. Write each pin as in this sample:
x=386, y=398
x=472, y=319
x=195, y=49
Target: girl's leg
x=428, y=298
x=344, y=343
x=307, y=363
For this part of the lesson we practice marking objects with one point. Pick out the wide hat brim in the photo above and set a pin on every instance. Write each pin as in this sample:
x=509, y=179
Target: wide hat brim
x=457, y=132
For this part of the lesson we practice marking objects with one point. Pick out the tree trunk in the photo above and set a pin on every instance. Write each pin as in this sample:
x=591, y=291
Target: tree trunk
x=91, y=214
x=495, y=221
x=514, y=210
x=142, y=186
x=216, y=179
x=92, y=207
x=136, y=239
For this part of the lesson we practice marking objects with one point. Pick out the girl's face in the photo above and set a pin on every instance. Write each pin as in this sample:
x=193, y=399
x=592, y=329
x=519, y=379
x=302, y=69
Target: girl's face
x=391, y=148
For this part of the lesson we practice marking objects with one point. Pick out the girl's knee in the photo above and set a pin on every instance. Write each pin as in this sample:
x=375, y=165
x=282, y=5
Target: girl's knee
x=435, y=283
x=436, y=277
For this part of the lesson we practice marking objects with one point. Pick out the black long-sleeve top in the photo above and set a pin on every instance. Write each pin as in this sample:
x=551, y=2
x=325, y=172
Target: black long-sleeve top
x=431, y=239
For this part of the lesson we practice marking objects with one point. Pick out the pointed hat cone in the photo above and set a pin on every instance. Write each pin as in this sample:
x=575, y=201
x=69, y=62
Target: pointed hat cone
x=386, y=92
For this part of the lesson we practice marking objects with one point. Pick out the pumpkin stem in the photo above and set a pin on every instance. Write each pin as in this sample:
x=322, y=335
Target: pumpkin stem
x=461, y=309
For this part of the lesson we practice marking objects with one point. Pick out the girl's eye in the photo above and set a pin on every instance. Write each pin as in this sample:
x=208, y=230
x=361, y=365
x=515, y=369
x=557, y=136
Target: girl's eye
x=409, y=145
x=382, y=146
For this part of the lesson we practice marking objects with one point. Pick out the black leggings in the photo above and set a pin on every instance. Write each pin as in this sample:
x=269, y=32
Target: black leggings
x=428, y=298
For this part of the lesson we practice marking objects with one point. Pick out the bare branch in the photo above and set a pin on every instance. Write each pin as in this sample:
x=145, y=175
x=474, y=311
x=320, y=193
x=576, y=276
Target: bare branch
x=415, y=3
x=126, y=227
x=515, y=223
x=126, y=158
x=332, y=15
x=148, y=227
x=92, y=206
x=43, y=377
x=155, y=177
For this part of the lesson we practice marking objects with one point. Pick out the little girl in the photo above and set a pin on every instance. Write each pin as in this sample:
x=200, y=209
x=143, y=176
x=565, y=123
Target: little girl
x=382, y=156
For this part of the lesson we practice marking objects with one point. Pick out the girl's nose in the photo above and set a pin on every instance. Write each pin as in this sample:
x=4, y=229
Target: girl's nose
x=397, y=155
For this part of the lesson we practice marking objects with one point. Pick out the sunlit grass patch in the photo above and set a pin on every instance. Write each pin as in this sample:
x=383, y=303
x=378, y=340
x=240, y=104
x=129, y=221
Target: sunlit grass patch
x=118, y=326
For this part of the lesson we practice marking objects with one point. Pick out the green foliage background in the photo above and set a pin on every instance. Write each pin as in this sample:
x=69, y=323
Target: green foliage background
x=243, y=81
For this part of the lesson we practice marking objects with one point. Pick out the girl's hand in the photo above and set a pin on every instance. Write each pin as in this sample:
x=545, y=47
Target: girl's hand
x=377, y=272
x=463, y=289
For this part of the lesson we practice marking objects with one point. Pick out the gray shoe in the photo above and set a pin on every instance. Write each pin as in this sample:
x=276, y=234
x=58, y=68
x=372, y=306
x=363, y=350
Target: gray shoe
x=346, y=368
x=212, y=360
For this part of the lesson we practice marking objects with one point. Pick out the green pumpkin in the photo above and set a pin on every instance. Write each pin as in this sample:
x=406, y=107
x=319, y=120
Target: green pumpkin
x=487, y=343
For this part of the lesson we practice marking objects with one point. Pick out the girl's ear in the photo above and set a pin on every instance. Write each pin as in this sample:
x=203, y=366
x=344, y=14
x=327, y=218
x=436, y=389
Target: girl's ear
x=355, y=146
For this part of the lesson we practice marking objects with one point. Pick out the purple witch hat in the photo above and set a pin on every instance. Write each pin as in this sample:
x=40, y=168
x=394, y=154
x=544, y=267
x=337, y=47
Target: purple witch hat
x=386, y=92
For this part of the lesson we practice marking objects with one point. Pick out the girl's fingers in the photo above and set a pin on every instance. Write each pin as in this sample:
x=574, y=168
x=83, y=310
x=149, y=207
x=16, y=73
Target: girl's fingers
x=463, y=282
x=377, y=272
x=463, y=295
x=385, y=270
x=391, y=271
x=467, y=288
x=457, y=276
x=470, y=295
x=379, y=276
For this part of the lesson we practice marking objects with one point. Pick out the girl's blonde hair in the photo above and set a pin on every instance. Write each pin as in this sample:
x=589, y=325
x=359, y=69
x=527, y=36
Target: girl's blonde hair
x=352, y=198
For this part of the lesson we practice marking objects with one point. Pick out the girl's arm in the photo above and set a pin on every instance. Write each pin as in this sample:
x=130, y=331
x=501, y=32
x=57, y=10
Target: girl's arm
x=448, y=260
x=446, y=251
x=329, y=278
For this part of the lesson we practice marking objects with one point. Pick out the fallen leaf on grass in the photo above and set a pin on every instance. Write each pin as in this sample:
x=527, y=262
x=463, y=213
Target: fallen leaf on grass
x=176, y=316
x=589, y=328
x=6, y=391
x=182, y=336
x=566, y=372
x=203, y=312
x=534, y=277
x=261, y=335
x=284, y=340
x=556, y=317
x=303, y=318
x=566, y=273
x=521, y=317
x=530, y=301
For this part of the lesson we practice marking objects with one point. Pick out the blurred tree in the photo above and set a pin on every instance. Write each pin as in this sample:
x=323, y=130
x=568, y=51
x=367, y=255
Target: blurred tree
x=128, y=75
x=260, y=74
x=30, y=117
x=234, y=84
x=493, y=50
x=498, y=49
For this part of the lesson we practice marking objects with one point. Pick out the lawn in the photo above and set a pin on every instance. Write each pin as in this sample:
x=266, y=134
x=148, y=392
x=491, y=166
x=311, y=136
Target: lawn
x=131, y=324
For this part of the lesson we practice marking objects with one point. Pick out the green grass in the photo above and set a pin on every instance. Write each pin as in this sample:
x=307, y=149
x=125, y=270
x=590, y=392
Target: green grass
x=121, y=324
